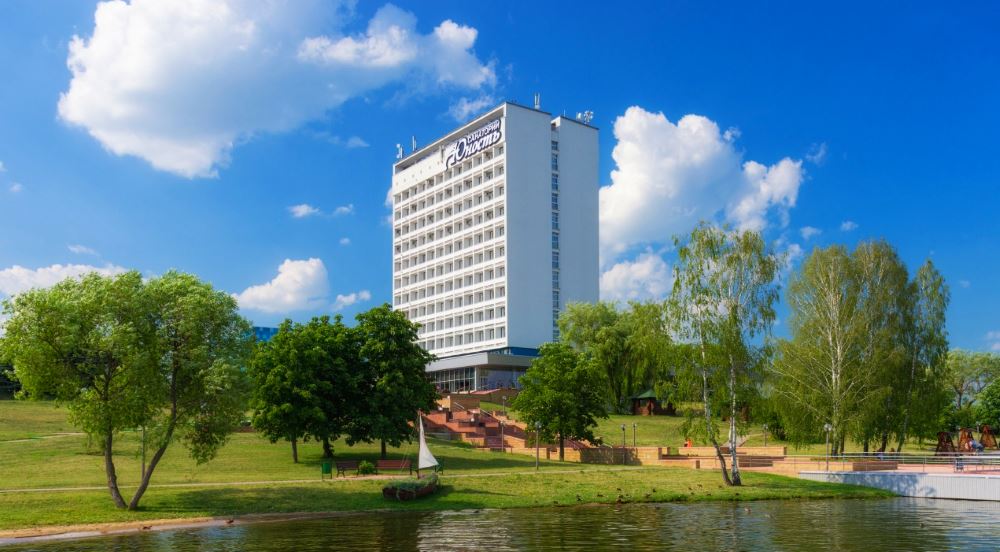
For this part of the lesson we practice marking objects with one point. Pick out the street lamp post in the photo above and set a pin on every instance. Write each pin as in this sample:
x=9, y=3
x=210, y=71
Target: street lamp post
x=503, y=398
x=828, y=428
x=765, y=435
x=634, y=426
x=503, y=448
x=623, y=444
x=538, y=429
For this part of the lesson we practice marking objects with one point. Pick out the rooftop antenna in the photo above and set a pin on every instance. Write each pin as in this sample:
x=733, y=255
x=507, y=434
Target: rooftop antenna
x=585, y=117
x=413, y=143
x=538, y=101
x=399, y=151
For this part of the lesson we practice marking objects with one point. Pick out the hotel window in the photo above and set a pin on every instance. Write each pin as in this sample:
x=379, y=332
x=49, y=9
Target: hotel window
x=555, y=202
x=555, y=145
x=555, y=183
x=555, y=240
x=555, y=221
x=555, y=299
x=555, y=259
x=555, y=162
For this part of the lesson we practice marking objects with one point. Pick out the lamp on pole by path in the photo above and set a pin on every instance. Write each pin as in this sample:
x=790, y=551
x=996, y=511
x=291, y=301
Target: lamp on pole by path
x=623, y=444
x=503, y=448
x=538, y=429
x=503, y=398
x=634, y=426
x=828, y=428
x=765, y=435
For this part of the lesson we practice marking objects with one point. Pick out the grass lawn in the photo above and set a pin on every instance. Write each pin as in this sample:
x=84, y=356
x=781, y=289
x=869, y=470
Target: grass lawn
x=20, y=510
x=473, y=479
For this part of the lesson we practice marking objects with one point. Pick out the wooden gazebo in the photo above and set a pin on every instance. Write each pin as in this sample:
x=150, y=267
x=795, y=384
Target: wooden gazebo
x=646, y=404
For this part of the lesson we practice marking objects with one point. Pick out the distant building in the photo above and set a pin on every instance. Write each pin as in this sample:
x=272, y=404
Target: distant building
x=495, y=229
x=264, y=334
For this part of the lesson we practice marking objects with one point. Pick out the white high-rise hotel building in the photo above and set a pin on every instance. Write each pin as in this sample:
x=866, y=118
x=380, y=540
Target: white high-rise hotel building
x=495, y=230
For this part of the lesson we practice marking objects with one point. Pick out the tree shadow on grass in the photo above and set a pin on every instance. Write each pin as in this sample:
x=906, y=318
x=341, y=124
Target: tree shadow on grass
x=326, y=498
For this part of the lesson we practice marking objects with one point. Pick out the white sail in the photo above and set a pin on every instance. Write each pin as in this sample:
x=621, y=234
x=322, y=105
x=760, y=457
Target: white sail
x=426, y=459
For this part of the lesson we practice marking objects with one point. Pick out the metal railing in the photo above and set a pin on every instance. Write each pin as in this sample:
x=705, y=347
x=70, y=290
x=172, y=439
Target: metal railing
x=950, y=462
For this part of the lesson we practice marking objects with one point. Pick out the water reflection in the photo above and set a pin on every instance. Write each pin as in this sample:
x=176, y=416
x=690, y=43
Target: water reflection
x=897, y=524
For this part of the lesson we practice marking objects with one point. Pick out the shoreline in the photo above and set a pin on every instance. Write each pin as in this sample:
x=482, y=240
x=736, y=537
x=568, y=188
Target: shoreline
x=88, y=530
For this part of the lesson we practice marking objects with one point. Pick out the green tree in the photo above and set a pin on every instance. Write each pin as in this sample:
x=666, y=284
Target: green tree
x=561, y=391
x=820, y=374
x=926, y=345
x=867, y=346
x=625, y=346
x=394, y=381
x=723, y=298
x=202, y=345
x=988, y=409
x=969, y=372
x=306, y=382
x=164, y=355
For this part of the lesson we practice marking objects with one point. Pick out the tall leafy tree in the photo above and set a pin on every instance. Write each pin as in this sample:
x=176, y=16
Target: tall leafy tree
x=867, y=347
x=87, y=342
x=820, y=373
x=724, y=295
x=164, y=354
x=394, y=383
x=626, y=346
x=561, y=391
x=926, y=344
x=202, y=345
x=306, y=382
x=969, y=372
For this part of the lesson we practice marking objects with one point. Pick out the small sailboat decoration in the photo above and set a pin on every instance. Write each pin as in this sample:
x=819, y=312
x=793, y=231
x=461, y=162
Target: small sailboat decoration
x=426, y=459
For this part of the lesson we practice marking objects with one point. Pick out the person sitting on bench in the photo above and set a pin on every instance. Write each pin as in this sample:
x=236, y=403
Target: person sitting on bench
x=976, y=445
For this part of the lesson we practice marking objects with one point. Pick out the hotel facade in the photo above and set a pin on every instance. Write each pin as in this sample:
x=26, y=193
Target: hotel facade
x=495, y=230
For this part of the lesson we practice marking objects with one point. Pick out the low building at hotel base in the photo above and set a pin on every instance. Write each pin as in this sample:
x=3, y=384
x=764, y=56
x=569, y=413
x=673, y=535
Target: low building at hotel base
x=495, y=230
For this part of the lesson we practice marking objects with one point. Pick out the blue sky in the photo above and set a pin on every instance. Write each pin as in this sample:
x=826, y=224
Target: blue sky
x=182, y=134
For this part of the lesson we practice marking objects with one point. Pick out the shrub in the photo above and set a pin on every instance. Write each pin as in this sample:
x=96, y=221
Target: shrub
x=366, y=468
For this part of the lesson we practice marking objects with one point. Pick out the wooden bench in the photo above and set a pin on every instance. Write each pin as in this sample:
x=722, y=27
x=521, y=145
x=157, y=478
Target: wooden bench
x=393, y=465
x=345, y=465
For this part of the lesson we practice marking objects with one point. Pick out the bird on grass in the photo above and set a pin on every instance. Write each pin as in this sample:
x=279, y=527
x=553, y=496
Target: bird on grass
x=647, y=495
x=746, y=509
x=599, y=495
x=229, y=521
x=147, y=527
x=579, y=498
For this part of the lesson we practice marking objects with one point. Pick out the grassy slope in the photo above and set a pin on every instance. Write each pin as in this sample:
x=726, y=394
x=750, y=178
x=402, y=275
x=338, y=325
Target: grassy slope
x=66, y=462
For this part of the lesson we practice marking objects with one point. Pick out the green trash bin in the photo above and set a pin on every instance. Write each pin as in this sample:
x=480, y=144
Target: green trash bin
x=326, y=468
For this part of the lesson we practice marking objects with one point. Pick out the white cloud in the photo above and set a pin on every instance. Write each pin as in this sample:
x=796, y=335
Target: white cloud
x=848, y=225
x=17, y=278
x=344, y=301
x=355, y=142
x=303, y=210
x=647, y=277
x=180, y=83
x=2, y=167
x=817, y=154
x=670, y=176
x=965, y=284
x=345, y=241
x=351, y=143
x=299, y=285
x=81, y=249
x=809, y=231
x=993, y=338
x=465, y=108
x=16, y=188
x=344, y=210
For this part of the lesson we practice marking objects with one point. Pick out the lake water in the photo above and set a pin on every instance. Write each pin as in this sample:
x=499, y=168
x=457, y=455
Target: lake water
x=892, y=524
